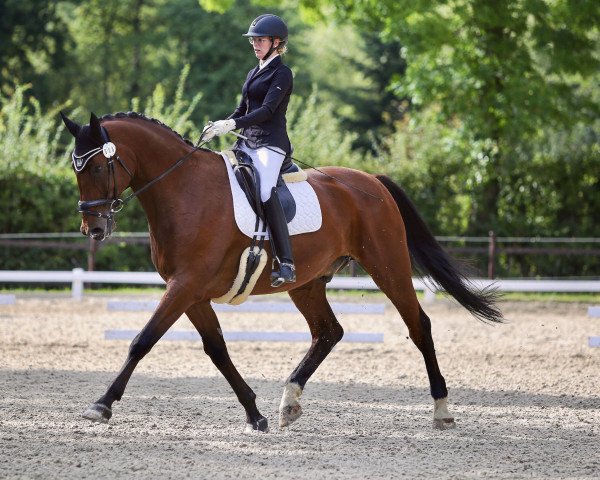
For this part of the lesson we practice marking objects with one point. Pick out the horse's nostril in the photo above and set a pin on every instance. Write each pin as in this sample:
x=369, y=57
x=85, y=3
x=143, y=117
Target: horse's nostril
x=97, y=233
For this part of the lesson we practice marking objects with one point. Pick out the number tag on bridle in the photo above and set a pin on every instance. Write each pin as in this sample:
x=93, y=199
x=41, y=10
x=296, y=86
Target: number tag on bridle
x=109, y=149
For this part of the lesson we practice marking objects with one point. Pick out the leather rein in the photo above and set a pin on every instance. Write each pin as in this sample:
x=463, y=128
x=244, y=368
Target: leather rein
x=116, y=203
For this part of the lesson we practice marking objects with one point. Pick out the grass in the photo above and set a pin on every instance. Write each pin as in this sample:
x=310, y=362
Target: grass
x=87, y=291
x=372, y=295
x=552, y=297
x=507, y=296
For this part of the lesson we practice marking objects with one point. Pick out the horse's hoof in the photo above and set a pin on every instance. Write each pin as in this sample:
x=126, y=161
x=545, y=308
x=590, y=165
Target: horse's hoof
x=97, y=412
x=442, y=418
x=260, y=425
x=444, y=423
x=289, y=414
x=289, y=408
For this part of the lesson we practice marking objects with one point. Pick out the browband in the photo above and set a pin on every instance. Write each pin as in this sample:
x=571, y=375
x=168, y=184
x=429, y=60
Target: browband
x=108, y=149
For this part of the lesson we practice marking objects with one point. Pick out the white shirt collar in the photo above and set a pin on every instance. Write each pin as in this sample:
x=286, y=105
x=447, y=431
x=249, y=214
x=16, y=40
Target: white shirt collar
x=262, y=64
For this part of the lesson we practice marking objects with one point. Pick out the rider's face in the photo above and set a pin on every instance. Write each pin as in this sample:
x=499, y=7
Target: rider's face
x=261, y=46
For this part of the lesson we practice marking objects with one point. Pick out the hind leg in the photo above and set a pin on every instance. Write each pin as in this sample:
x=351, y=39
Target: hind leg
x=391, y=271
x=325, y=330
x=442, y=418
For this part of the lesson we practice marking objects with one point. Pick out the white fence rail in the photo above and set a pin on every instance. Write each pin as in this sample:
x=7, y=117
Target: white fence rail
x=78, y=277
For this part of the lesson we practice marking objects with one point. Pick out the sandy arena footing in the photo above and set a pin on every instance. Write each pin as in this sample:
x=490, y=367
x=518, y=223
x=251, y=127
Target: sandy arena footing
x=525, y=396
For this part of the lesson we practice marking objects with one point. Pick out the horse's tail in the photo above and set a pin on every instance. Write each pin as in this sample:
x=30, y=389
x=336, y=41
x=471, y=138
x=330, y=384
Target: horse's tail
x=432, y=260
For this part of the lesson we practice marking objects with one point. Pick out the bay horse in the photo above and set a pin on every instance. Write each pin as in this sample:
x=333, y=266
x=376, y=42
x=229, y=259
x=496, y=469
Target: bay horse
x=196, y=247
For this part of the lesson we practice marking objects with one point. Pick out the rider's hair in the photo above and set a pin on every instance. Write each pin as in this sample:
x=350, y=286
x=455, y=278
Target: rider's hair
x=282, y=48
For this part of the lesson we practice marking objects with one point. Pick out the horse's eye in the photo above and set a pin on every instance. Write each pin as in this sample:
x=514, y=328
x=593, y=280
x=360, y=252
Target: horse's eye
x=97, y=168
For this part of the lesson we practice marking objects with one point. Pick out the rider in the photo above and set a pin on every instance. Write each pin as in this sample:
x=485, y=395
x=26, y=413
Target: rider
x=261, y=115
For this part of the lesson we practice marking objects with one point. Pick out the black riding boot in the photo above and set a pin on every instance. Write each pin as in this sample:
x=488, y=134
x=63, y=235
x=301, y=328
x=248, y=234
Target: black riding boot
x=280, y=241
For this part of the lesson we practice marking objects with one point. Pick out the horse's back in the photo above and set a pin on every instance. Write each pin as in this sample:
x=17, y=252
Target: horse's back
x=352, y=190
x=355, y=206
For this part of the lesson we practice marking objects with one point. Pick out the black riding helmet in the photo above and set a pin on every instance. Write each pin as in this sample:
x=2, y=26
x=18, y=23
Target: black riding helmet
x=268, y=25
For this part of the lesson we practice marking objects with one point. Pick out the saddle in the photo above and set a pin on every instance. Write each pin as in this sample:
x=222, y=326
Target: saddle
x=245, y=190
x=248, y=178
x=252, y=261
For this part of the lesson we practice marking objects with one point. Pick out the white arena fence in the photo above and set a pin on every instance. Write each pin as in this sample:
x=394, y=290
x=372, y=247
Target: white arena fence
x=78, y=277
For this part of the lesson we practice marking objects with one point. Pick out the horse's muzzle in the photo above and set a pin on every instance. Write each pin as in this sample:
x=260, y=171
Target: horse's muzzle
x=98, y=234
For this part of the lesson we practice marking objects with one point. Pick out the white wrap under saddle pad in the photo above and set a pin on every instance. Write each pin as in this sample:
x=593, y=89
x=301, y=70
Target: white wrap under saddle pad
x=308, y=211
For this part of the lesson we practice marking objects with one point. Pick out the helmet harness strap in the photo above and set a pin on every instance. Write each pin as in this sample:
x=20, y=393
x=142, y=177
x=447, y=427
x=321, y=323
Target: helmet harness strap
x=271, y=50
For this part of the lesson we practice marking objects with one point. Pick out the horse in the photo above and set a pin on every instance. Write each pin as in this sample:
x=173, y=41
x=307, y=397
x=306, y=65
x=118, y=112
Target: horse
x=195, y=247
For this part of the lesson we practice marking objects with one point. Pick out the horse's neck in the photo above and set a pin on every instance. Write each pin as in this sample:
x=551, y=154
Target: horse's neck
x=186, y=190
x=156, y=150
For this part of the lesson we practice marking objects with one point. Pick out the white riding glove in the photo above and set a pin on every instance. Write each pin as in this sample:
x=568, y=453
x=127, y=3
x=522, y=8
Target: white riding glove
x=218, y=128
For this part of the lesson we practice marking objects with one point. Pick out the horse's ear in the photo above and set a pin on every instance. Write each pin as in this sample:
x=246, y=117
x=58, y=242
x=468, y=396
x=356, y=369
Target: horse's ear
x=95, y=126
x=70, y=124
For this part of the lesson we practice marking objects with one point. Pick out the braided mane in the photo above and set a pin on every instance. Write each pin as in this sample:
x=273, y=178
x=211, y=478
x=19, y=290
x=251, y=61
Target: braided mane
x=141, y=116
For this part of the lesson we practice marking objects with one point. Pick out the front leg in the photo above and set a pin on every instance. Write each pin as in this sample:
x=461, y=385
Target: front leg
x=310, y=299
x=172, y=305
x=206, y=323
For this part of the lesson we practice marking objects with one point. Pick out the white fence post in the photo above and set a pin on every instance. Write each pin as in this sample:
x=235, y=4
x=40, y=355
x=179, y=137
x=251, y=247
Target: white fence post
x=77, y=284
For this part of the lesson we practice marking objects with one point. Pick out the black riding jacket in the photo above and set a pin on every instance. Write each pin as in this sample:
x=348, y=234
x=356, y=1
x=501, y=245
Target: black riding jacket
x=261, y=112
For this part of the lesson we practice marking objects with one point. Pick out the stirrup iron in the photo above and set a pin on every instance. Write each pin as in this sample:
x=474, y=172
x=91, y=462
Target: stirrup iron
x=285, y=274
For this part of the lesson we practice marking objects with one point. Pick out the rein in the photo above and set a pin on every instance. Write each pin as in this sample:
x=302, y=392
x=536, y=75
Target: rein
x=109, y=151
x=116, y=204
x=239, y=135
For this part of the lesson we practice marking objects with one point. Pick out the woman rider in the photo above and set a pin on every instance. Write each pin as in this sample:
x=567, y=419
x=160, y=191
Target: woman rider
x=261, y=115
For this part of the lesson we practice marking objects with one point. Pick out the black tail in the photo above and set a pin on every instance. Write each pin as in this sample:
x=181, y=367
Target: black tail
x=432, y=260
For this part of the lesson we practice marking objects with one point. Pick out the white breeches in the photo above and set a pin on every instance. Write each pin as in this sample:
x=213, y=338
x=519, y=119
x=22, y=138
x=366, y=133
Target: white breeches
x=268, y=163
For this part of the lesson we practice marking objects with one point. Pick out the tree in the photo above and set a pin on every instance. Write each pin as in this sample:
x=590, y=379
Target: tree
x=504, y=69
x=377, y=108
x=32, y=42
x=501, y=71
x=123, y=48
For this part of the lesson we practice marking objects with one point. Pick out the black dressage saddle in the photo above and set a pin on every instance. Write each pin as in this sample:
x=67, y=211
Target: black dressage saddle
x=249, y=181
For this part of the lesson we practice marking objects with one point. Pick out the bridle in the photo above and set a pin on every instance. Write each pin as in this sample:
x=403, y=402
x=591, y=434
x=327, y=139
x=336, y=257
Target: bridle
x=116, y=203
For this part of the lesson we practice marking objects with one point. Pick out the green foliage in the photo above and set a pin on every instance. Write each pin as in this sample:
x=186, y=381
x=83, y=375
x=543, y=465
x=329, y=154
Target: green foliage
x=485, y=112
x=549, y=188
x=124, y=48
x=219, y=6
x=316, y=134
x=29, y=138
x=505, y=70
x=431, y=162
x=176, y=112
x=32, y=43
x=37, y=188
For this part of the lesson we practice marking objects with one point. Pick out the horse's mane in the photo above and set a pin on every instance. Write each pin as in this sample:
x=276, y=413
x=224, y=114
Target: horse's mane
x=141, y=116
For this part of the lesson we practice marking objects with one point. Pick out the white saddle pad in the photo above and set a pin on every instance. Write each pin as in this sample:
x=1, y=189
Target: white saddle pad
x=308, y=211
